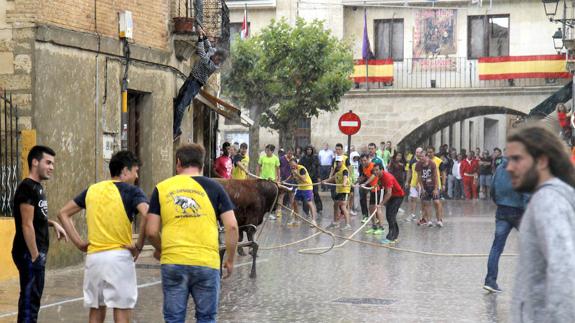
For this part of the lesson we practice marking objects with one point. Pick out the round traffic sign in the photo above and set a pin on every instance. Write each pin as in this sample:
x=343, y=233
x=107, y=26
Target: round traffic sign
x=349, y=123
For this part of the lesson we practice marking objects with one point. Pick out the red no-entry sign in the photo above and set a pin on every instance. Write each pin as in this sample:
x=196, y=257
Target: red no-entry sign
x=349, y=123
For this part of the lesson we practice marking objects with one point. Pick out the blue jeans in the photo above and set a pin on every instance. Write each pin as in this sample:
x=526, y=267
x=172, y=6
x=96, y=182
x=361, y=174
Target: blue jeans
x=187, y=93
x=503, y=226
x=179, y=281
x=31, y=285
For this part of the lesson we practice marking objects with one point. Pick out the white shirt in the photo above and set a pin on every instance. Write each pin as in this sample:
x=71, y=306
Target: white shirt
x=455, y=170
x=325, y=157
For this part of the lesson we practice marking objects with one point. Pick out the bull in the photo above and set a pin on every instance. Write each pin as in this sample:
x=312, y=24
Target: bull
x=253, y=198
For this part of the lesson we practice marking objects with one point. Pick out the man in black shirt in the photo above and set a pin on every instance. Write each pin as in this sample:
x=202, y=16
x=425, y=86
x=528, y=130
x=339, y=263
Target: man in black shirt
x=31, y=241
x=311, y=162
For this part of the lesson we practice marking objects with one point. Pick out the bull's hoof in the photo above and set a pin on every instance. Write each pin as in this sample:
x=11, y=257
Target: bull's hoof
x=253, y=275
x=241, y=251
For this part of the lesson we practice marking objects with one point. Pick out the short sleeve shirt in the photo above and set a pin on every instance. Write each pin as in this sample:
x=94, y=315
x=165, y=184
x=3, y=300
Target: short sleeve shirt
x=32, y=193
x=388, y=181
x=268, y=166
x=223, y=166
x=132, y=196
x=427, y=174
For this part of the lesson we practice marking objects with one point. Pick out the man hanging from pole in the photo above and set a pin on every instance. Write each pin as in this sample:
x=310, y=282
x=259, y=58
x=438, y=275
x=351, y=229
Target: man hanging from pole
x=209, y=61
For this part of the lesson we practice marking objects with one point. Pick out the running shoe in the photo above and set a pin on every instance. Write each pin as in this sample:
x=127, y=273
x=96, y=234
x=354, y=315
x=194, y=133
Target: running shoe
x=272, y=217
x=313, y=223
x=410, y=218
x=430, y=224
x=370, y=231
x=440, y=224
x=387, y=242
x=291, y=223
x=401, y=210
x=378, y=231
x=492, y=288
x=353, y=213
x=333, y=225
x=422, y=221
x=364, y=219
x=347, y=227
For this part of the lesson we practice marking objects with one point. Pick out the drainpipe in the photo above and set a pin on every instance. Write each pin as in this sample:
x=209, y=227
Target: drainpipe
x=125, y=96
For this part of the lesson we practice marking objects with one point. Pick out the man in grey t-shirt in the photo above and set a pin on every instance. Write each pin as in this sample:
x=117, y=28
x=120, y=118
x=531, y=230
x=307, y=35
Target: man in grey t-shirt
x=545, y=280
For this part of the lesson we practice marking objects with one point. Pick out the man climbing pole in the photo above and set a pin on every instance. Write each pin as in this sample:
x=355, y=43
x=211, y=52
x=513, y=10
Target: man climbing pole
x=209, y=61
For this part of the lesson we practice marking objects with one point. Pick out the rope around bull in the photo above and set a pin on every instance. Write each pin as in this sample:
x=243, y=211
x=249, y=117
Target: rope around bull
x=322, y=250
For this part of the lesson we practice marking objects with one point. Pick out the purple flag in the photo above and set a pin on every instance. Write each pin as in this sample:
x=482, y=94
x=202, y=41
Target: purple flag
x=365, y=47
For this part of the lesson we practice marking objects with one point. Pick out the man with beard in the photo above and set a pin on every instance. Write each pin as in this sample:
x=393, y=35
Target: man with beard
x=545, y=284
x=311, y=162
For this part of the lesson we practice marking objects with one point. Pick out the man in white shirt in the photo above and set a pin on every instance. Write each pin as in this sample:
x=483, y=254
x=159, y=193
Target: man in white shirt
x=325, y=156
x=457, y=179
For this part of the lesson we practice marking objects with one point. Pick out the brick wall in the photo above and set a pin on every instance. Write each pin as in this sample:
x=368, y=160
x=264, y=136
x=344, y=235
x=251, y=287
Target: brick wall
x=151, y=18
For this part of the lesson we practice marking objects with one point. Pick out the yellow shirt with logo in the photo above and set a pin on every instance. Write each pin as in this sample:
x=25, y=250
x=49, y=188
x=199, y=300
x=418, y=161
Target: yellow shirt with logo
x=307, y=179
x=339, y=177
x=189, y=223
x=438, y=162
x=108, y=225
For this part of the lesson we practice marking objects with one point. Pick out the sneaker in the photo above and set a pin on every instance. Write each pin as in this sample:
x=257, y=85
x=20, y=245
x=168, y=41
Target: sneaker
x=387, y=242
x=422, y=221
x=378, y=231
x=279, y=215
x=492, y=288
x=353, y=213
x=440, y=224
x=401, y=210
x=370, y=231
x=410, y=218
x=313, y=223
x=430, y=224
x=333, y=225
x=291, y=224
x=272, y=217
x=364, y=219
x=347, y=227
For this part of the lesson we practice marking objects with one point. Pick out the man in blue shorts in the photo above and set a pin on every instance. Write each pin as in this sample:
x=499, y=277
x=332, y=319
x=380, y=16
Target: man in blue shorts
x=305, y=191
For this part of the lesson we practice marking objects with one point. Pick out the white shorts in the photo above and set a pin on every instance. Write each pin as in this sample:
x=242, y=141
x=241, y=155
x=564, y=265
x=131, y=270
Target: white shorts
x=110, y=280
x=413, y=192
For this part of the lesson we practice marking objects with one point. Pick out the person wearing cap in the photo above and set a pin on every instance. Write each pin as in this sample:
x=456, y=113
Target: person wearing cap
x=341, y=178
x=345, y=162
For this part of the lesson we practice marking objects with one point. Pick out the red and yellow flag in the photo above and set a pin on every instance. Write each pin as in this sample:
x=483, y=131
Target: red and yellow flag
x=517, y=67
x=379, y=70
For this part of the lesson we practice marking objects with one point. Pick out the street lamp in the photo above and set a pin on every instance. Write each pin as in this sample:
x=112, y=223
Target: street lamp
x=558, y=40
x=550, y=8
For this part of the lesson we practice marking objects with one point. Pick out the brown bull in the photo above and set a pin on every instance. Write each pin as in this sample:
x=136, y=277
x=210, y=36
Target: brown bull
x=253, y=198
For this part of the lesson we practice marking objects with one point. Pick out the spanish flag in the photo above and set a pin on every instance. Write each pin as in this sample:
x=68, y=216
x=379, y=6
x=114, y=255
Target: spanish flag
x=517, y=67
x=379, y=70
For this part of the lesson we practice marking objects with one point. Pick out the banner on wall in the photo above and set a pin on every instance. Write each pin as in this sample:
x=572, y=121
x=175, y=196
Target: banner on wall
x=434, y=33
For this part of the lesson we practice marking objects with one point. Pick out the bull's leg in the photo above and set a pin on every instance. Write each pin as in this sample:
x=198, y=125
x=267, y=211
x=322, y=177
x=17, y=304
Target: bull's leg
x=241, y=249
x=250, y=233
x=254, y=256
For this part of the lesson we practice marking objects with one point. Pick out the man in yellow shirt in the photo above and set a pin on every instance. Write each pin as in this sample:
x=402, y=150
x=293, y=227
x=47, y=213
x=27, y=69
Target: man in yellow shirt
x=241, y=162
x=341, y=178
x=411, y=184
x=186, y=209
x=304, y=193
x=111, y=206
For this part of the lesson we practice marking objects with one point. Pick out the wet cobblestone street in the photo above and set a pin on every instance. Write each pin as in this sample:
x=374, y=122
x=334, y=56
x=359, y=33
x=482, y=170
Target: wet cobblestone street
x=355, y=283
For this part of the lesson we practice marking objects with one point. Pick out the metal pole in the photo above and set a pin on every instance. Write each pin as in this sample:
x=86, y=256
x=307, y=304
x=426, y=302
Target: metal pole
x=348, y=145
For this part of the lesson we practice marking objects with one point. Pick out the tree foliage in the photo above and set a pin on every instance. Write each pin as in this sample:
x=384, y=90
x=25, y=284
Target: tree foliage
x=289, y=72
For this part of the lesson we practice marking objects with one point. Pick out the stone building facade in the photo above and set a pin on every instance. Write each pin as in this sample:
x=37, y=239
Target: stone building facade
x=428, y=85
x=63, y=63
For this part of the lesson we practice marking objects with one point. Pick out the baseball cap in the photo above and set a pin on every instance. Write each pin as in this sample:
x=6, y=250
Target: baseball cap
x=354, y=154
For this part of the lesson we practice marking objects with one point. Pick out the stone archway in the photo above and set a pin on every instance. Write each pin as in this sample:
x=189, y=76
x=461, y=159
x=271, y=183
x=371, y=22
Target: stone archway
x=442, y=121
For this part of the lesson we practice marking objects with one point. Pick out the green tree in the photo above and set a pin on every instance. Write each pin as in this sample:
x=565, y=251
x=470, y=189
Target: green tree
x=288, y=72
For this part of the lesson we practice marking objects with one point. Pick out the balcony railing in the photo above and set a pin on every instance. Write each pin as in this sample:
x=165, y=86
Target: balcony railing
x=452, y=72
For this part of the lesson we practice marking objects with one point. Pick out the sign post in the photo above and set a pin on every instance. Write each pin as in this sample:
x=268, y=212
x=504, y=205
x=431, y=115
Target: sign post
x=349, y=124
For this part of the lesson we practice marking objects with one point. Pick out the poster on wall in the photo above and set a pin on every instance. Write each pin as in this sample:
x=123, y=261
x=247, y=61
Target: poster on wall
x=434, y=33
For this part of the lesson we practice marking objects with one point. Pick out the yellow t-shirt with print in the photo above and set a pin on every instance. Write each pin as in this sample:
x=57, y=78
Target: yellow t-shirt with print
x=307, y=179
x=189, y=224
x=339, y=176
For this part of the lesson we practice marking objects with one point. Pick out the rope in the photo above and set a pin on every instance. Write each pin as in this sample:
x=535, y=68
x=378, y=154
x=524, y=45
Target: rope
x=350, y=238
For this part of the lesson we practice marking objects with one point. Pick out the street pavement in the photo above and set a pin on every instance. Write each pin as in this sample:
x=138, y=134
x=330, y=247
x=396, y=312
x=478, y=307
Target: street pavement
x=354, y=283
